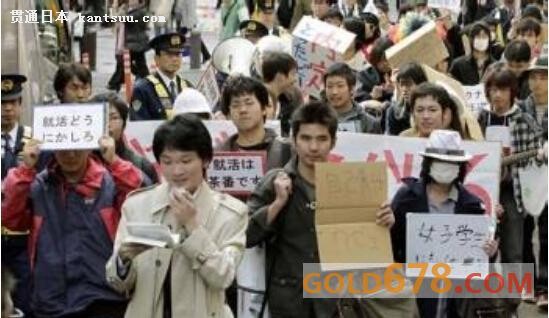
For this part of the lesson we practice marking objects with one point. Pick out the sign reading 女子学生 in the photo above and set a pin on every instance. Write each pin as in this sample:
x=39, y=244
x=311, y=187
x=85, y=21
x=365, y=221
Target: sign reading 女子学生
x=316, y=46
x=454, y=239
x=69, y=126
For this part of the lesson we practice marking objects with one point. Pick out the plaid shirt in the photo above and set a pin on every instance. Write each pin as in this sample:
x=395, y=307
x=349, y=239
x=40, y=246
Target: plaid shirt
x=526, y=135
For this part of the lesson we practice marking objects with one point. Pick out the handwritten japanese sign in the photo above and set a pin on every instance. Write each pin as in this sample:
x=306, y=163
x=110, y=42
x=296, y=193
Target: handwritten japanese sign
x=348, y=197
x=69, y=126
x=207, y=85
x=448, y=238
x=316, y=46
x=476, y=98
x=237, y=172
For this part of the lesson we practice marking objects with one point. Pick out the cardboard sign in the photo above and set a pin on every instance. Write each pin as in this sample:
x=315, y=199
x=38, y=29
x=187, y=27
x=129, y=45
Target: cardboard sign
x=316, y=46
x=422, y=46
x=476, y=99
x=207, y=85
x=69, y=126
x=238, y=172
x=452, y=5
x=455, y=239
x=348, y=195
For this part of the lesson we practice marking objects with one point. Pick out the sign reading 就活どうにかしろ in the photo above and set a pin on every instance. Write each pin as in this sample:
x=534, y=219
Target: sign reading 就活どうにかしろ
x=69, y=126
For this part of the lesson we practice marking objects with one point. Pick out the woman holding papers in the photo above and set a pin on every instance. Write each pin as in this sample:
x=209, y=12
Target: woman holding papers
x=187, y=279
x=439, y=190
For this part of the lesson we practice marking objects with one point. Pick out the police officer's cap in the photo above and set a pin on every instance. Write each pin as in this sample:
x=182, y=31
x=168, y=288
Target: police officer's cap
x=11, y=86
x=253, y=28
x=265, y=5
x=171, y=42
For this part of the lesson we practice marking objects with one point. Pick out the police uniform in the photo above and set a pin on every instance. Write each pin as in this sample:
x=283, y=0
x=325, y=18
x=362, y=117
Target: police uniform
x=254, y=29
x=14, y=243
x=269, y=6
x=153, y=96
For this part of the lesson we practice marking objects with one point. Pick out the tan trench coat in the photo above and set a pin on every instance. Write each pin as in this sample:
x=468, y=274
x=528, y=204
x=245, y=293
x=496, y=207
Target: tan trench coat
x=202, y=266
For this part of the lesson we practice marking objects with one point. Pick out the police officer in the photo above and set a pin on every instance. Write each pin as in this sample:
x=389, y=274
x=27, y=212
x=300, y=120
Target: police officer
x=253, y=30
x=266, y=15
x=153, y=96
x=14, y=136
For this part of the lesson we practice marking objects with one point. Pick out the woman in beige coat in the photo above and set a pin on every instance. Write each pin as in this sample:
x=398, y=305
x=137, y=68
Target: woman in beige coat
x=189, y=278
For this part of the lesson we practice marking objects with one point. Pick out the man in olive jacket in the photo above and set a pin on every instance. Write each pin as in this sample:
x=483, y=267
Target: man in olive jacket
x=282, y=211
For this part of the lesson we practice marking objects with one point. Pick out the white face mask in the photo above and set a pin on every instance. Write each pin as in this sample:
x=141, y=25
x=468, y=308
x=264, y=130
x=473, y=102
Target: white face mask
x=481, y=44
x=444, y=172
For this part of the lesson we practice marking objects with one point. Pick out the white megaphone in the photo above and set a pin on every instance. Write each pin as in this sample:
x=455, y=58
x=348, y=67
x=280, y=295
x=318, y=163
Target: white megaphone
x=233, y=56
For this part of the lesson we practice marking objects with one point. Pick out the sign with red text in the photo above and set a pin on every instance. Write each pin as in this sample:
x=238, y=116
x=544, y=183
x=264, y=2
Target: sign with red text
x=316, y=46
x=400, y=153
x=238, y=172
x=69, y=126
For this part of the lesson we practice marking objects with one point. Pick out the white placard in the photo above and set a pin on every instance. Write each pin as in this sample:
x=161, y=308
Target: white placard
x=452, y=5
x=348, y=127
x=316, y=46
x=453, y=239
x=69, y=126
x=207, y=85
x=237, y=172
x=476, y=99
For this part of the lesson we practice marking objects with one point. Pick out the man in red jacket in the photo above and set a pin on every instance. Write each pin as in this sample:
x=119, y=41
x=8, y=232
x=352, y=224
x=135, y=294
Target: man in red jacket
x=72, y=209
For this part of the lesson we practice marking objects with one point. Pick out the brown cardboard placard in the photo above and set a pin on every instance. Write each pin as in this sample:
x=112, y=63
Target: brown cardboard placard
x=436, y=77
x=348, y=196
x=422, y=46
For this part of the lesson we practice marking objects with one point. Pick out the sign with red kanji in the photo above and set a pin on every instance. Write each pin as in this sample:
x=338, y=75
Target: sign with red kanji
x=316, y=46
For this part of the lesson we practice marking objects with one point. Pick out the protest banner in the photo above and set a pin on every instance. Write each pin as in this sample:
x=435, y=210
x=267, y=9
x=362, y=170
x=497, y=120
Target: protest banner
x=422, y=46
x=452, y=5
x=207, y=85
x=454, y=239
x=476, y=99
x=400, y=153
x=316, y=46
x=348, y=196
x=238, y=172
x=69, y=126
x=139, y=134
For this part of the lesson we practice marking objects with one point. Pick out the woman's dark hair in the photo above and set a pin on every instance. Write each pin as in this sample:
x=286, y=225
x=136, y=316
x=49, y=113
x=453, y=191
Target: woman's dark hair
x=477, y=28
x=378, y=50
x=356, y=26
x=371, y=18
x=502, y=78
x=412, y=71
x=315, y=112
x=239, y=85
x=185, y=132
x=341, y=70
x=115, y=101
x=426, y=167
x=66, y=73
x=442, y=97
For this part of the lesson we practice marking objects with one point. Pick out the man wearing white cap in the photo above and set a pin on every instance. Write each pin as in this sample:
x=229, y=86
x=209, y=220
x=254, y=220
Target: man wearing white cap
x=191, y=101
x=440, y=190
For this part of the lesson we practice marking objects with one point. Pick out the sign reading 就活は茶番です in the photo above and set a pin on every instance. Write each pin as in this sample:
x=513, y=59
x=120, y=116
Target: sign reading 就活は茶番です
x=237, y=172
x=69, y=126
